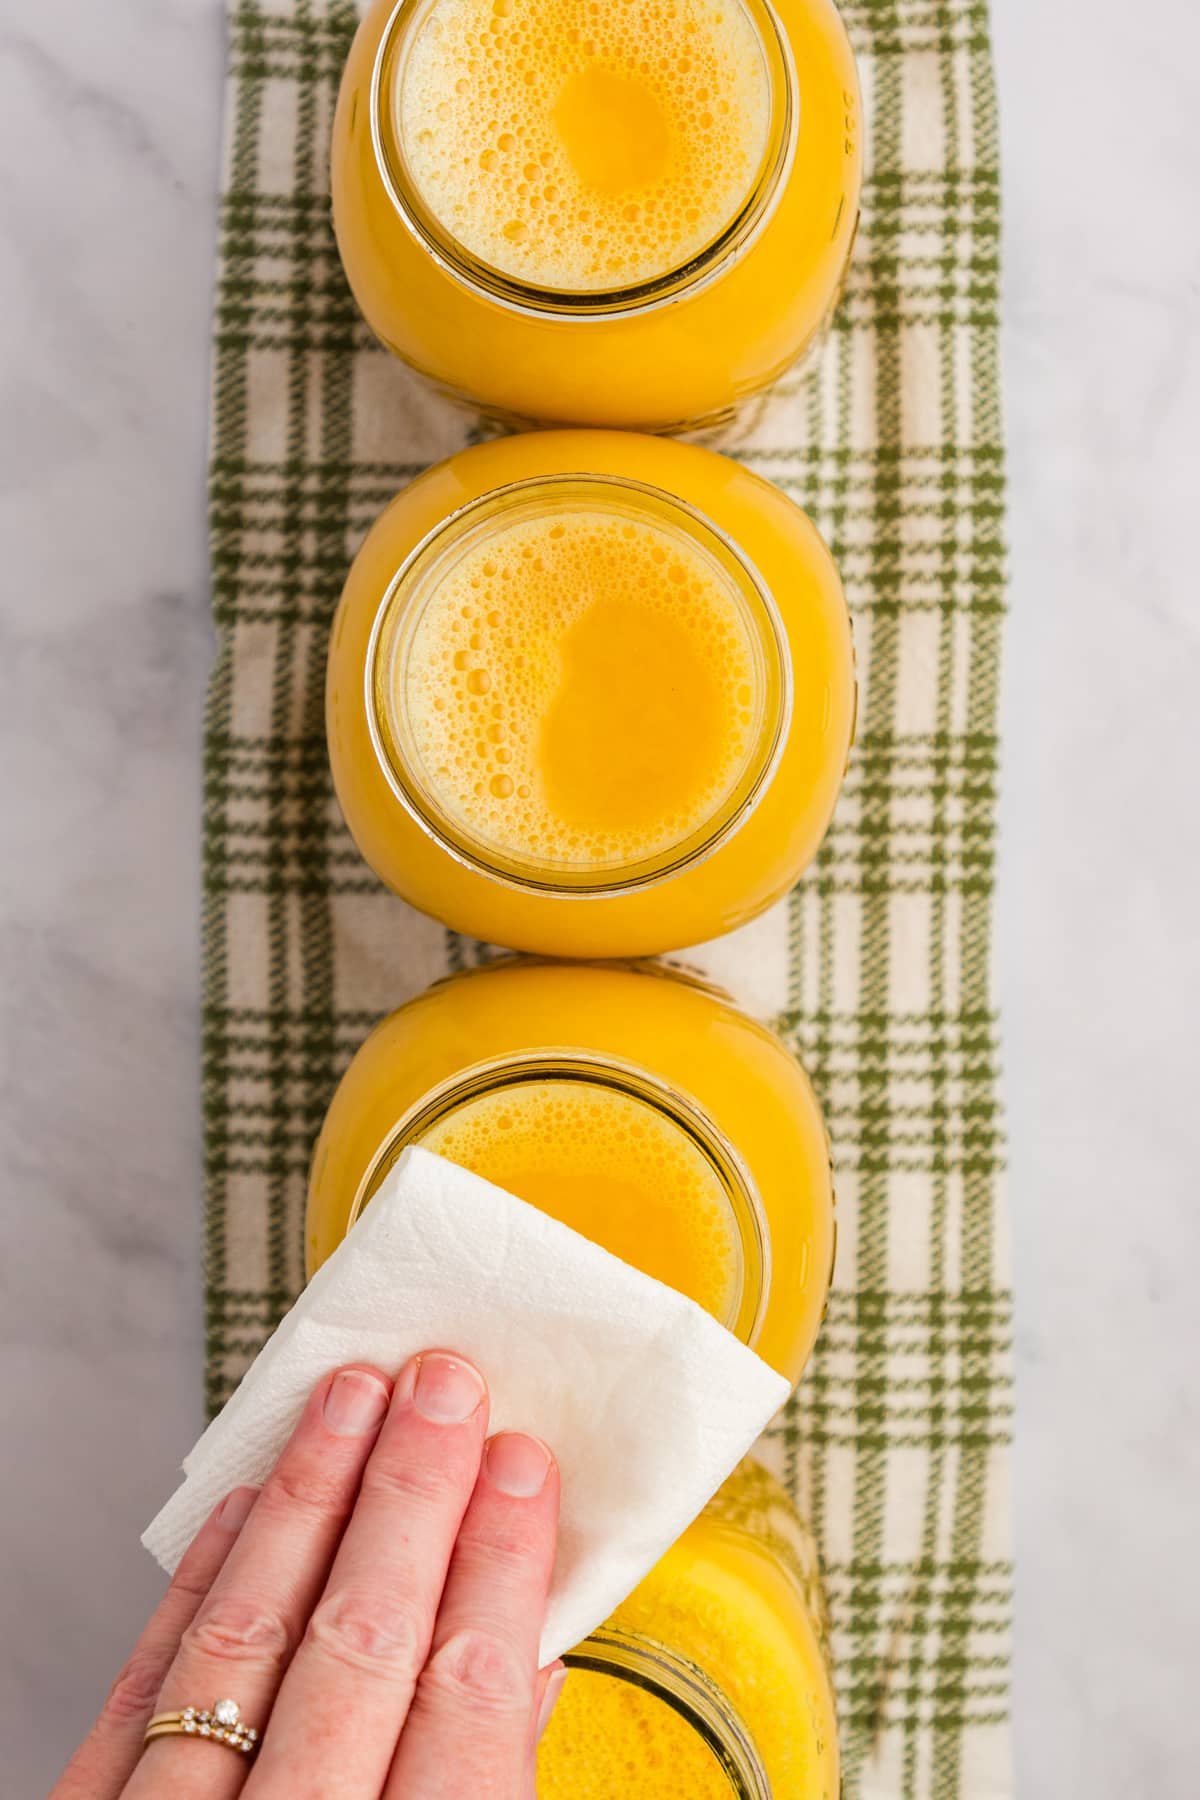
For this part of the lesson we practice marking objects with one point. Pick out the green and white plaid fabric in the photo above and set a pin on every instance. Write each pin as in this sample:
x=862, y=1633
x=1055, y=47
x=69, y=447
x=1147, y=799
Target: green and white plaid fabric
x=877, y=969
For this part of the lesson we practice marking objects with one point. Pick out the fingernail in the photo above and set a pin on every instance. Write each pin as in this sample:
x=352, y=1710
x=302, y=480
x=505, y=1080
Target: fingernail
x=554, y=1687
x=448, y=1390
x=235, y=1508
x=406, y=1382
x=516, y=1464
x=355, y=1403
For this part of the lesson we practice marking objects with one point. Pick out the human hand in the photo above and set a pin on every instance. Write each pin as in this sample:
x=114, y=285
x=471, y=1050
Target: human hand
x=375, y=1611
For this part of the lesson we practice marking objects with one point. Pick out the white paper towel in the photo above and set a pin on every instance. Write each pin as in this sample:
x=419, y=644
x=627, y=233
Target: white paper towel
x=645, y=1400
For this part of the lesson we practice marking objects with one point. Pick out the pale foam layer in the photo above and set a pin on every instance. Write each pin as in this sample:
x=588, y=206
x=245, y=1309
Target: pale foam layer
x=584, y=144
x=611, y=1167
x=609, y=1740
x=581, y=689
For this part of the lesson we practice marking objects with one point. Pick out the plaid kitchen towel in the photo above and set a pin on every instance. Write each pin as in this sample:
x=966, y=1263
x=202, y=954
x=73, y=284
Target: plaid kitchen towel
x=877, y=969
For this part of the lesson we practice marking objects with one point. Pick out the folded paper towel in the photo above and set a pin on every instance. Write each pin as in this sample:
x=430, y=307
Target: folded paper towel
x=645, y=1400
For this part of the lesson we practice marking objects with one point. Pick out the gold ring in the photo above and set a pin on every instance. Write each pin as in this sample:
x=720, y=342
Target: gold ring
x=222, y=1722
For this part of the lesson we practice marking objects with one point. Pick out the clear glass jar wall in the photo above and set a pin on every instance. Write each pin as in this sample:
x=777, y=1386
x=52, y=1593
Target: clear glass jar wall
x=713, y=1679
x=575, y=1085
x=572, y=131
x=591, y=693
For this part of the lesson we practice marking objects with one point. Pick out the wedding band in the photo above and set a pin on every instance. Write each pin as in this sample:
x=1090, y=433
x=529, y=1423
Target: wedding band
x=222, y=1722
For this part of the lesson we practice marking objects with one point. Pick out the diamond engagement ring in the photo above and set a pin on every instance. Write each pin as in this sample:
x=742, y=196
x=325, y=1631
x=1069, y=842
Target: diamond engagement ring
x=222, y=1722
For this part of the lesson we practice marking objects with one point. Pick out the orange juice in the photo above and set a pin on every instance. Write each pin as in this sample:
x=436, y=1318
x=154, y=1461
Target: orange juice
x=633, y=213
x=711, y=1680
x=579, y=686
x=595, y=1156
x=639, y=1108
x=613, y=1737
x=590, y=694
x=555, y=149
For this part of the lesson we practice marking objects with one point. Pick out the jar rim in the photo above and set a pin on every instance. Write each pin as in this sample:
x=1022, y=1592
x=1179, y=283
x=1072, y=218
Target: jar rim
x=747, y=1308
x=602, y=304
x=399, y=612
x=688, y=1690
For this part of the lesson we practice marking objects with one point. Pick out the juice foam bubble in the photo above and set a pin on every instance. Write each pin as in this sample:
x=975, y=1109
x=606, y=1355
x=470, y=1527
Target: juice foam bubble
x=581, y=689
x=612, y=1167
x=584, y=144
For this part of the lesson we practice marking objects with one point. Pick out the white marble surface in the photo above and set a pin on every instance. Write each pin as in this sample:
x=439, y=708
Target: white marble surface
x=1099, y=934
x=109, y=120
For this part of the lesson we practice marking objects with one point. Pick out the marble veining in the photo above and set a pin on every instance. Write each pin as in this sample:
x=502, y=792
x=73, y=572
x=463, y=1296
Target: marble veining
x=109, y=141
